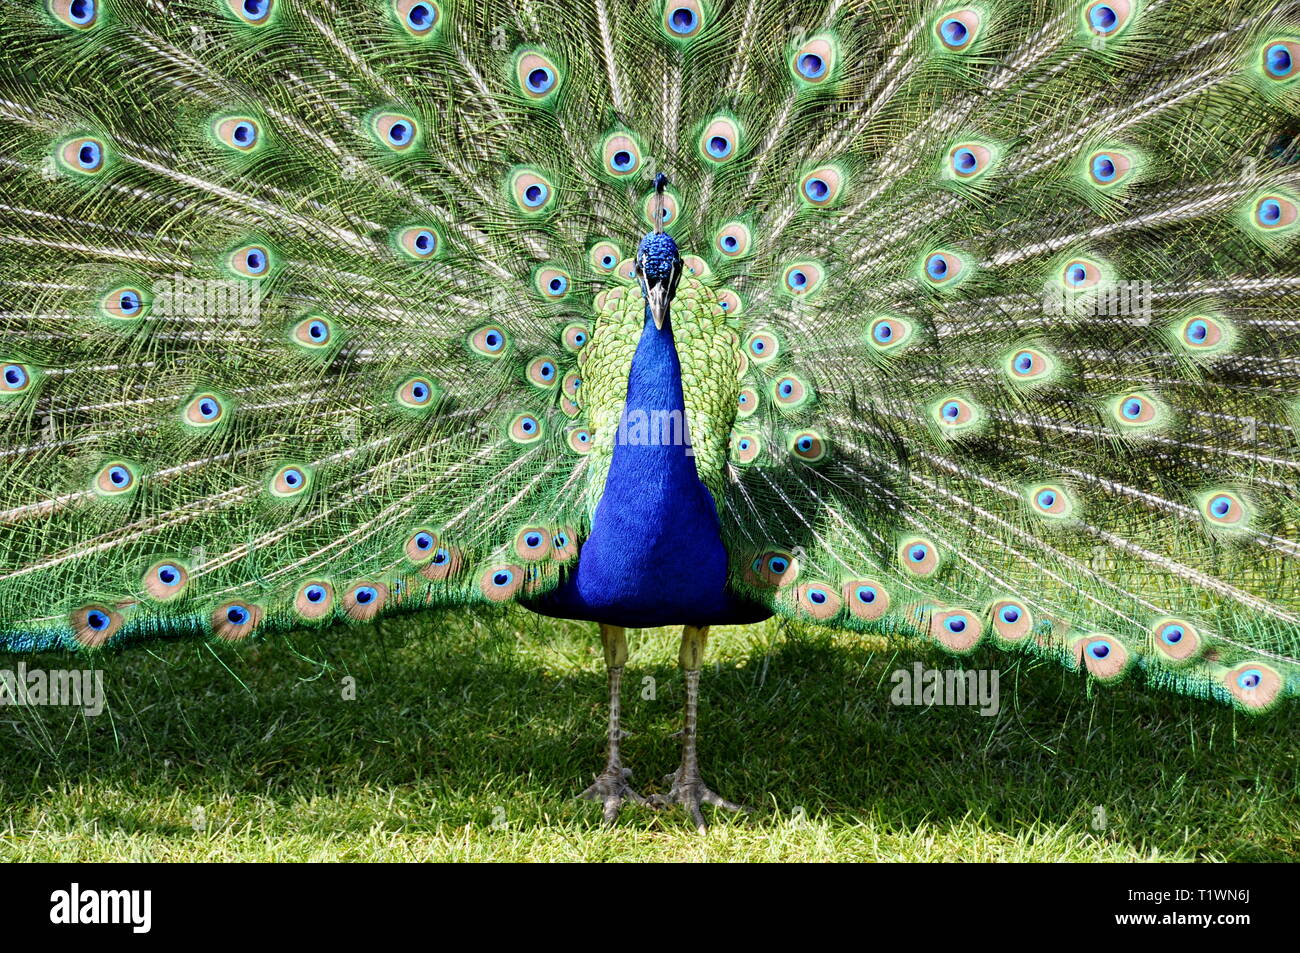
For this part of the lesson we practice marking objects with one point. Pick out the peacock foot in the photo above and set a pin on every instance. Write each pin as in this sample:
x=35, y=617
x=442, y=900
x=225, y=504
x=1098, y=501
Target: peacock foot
x=692, y=793
x=613, y=790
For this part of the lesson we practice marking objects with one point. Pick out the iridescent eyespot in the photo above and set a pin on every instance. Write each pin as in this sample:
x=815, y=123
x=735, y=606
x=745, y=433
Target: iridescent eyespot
x=1176, y=639
x=500, y=583
x=734, y=239
x=533, y=543
x=671, y=208
x=956, y=629
x=1108, y=167
x=942, y=268
x=1104, y=656
x=683, y=19
x=773, y=569
x=525, y=428
x=621, y=154
x=564, y=544
x=313, y=333
x=251, y=261
x=1279, y=59
x=1253, y=685
x=363, y=601
x=604, y=257
x=746, y=402
x=552, y=283
x=889, y=334
x=116, y=479
x=571, y=383
x=696, y=267
x=204, y=410
x=234, y=621
x=78, y=14
x=729, y=302
x=537, y=75
x=165, y=580
x=813, y=62
x=289, y=480
x=1204, y=333
x=530, y=191
x=575, y=337
x=818, y=599
x=419, y=242
x=1275, y=212
x=421, y=546
x=85, y=155
x=14, y=379
x=956, y=31
x=252, y=12
x=489, y=341
x=954, y=413
x=918, y=556
x=443, y=564
x=808, y=445
x=418, y=17
x=1224, y=508
x=417, y=393
x=822, y=186
x=124, y=304
x=1050, y=500
x=580, y=440
x=94, y=625
x=396, y=131
x=866, y=599
x=762, y=347
x=542, y=372
x=969, y=160
x=1135, y=410
x=802, y=278
x=1079, y=274
x=1027, y=364
x=1011, y=620
x=1107, y=18
x=314, y=599
x=720, y=140
x=789, y=392
x=745, y=448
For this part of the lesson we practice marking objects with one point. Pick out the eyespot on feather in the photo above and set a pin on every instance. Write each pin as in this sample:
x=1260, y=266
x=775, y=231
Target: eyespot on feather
x=918, y=556
x=116, y=479
x=443, y=564
x=93, y=625
x=85, y=155
x=773, y=569
x=552, y=283
x=420, y=242
x=734, y=240
x=1108, y=167
x=1176, y=639
x=1280, y=59
x=790, y=393
x=127, y=303
x=822, y=187
x=1274, y=212
x=419, y=18
x=802, y=278
x=720, y=141
x=364, y=600
x=957, y=630
x=867, y=599
x=747, y=402
x=745, y=448
x=252, y=12
x=814, y=62
x=251, y=261
x=235, y=621
x=1201, y=333
x=533, y=543
x=1107, y=18
x=957, y=30
x=204, y=410
x=1105, y=657
x=1135, y=410
x=1254, y=685
x=501, y=583
x=671, y=209
x=395, y=131
x=808, y=446
x=313, y=333
x=314, y=599
x=241, y=133
x=15, y=379
x=543, y=372
x=1027, y=365
x=1050, y=500
x=537, y=75
x=489, y=341
x=564, y=544
x=78, y=14
x=969, y=160
x=1224, y=509
x=942, y=269
x=729, y=302
x=421, y=546
x=530, y=191
x=620, y=154
x=683, y=19
x=525, y=429
x=1011, y=620
x=818, y=599
x=1080, y=274
x=166, y=580
x=579, y=439
x=575, y=337
x=604, y=257
x=289, y=481
x=417, y=393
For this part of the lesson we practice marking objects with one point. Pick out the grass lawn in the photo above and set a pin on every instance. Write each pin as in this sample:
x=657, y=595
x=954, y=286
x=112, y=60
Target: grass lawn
x=470, y=735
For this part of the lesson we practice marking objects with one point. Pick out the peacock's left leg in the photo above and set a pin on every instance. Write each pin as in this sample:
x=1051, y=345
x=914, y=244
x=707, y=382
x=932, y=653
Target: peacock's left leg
x=611, y=787
x=686, y=787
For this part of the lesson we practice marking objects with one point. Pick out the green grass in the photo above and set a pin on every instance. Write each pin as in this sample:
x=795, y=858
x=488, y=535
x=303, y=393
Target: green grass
x=470, y=736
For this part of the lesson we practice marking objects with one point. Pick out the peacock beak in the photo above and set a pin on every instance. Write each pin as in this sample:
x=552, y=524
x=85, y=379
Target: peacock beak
x=657, y=301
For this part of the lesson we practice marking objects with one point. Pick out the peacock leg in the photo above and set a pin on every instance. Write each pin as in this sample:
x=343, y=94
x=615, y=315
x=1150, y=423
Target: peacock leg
x=611, y=787
x=686, y=787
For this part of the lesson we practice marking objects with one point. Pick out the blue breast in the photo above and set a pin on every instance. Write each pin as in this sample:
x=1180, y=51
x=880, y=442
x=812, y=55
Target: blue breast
x=655, y=554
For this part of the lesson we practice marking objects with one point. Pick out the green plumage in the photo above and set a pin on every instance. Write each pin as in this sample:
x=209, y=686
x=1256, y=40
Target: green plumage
x=285, y=300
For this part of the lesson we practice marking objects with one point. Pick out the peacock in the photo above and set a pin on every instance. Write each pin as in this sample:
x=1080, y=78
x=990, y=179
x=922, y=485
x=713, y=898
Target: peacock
x=976, y=322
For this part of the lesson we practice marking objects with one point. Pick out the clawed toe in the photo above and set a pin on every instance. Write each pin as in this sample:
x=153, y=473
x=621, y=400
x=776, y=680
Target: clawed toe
x=612, y=789
x=692, y=793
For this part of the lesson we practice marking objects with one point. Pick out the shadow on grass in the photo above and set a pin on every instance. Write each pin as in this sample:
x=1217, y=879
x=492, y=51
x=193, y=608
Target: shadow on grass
x=460, y=720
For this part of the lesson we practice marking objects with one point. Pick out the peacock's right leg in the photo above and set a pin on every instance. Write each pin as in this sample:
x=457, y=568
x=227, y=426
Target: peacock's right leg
x=611, y=785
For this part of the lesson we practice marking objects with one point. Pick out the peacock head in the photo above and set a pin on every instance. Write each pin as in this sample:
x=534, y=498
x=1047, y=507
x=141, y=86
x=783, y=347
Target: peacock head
x=658, y=264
